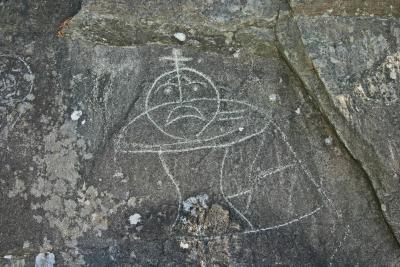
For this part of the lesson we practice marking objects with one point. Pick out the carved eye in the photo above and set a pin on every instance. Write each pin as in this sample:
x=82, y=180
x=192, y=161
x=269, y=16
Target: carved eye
x=196, y=86
x=168, y=90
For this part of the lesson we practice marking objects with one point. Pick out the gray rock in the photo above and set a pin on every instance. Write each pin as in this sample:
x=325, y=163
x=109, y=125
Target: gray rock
x=135, y=146
x=353, y=65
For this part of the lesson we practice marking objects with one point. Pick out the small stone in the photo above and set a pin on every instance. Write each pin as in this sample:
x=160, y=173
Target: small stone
x=383, y=207
x=45, y=260
x=26, y=245
x=30, y=97
x=135, y=219
x=180, y=36
x=272, y=98
x=76, y=115
x=184, y=245
x=328, y=141
x=88, y=156
x=393, y=74
x=236, y=54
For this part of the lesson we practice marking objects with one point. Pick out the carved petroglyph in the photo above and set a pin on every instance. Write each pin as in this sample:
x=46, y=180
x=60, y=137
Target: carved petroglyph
x=261, y=179
x=16, y=85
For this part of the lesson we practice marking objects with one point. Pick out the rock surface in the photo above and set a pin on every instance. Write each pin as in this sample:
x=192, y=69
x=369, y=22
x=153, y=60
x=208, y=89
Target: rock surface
x=199, y=133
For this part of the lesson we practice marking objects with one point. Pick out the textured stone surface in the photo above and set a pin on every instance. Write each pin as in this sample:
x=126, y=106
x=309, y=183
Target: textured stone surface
x=353, y=77
x=199, y=133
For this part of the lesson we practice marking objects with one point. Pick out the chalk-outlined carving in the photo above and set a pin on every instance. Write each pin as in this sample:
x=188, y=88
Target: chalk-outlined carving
x=184, y=112
x=16, y=83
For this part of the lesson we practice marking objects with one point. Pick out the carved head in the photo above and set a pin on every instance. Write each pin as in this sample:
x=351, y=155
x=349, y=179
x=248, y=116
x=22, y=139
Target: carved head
x=182, y=103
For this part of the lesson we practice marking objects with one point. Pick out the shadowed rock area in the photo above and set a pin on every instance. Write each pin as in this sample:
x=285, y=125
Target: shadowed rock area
x=199, y=133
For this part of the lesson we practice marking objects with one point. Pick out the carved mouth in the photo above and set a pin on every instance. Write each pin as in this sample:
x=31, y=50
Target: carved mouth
x=184, y=111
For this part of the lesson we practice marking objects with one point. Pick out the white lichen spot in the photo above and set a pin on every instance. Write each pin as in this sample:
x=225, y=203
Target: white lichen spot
x=8, y=257
x=344, y=103
x=30, y=97
x=87, y=156
x=383, y=207
x=334, y=60
x=393, y=74
x=184, y=245
x=359, y=90
x=135, y=219
x=298, y=111
x=45, y=260
x=328, y=141
x=168, y=91
x=26, y=245
x=272, y=97
x=38, y=218
x=236, y=54
x=180, y=36
x=76, y=115
x=241, y=129
x=83, y=122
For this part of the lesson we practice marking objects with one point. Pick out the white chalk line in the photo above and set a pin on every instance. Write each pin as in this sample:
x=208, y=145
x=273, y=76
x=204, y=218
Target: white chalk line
x=223, y=193
x=176, y=58
x=232, y=112
x=183, y=117
x=346, y=234
x=250, y=174
x=145, y=149
x=255, y=231
x=178, y=191
x=239, y=194
x=164, y=85
x=284, y=224
x=230, y=119
x=268, y=173
x=161, y=147
x=148, y=110
x=163, y=150
x=178, y=75
x=199, y=116
x=306, y=171
x=275, y=170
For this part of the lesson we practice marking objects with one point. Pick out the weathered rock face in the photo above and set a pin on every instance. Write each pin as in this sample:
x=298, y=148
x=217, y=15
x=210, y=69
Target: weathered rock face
x=199, y=133
x=354, y=80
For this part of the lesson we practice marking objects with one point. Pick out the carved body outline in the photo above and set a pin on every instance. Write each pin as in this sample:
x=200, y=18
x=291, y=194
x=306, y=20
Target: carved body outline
x=170, y=149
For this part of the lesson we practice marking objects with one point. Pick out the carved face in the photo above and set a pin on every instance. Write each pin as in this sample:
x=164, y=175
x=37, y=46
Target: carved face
x=182, y=104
